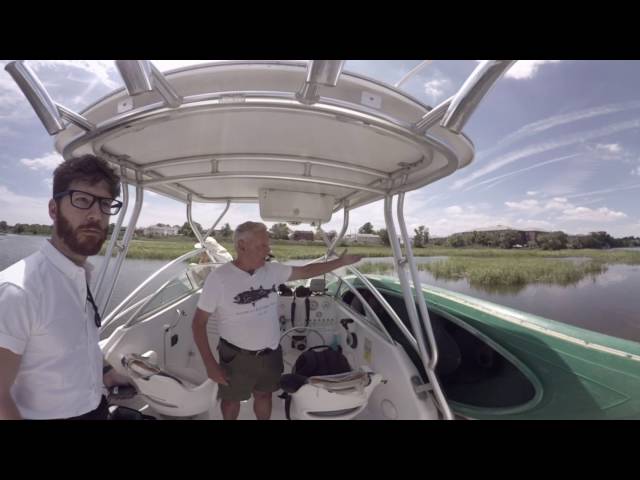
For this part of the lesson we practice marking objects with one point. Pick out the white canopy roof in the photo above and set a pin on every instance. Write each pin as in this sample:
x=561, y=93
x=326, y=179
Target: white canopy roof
x=239, y=127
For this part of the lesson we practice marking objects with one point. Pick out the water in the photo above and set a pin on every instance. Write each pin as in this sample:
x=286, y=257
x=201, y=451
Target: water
x=607, y=303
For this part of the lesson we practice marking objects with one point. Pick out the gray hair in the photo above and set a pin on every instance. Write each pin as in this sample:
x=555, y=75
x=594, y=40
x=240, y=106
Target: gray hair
x=245, y=230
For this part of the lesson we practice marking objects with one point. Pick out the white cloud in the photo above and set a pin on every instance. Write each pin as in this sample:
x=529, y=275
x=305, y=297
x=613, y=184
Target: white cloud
x=532, y=193
x=611, y=151
x=526, y=69
x=609, y=147
x=529, y=224
x=557, y=203
x=530, y=206
x=101, y=69
x=565, y=210
x=636, y=171
x=453, y=210
x=48, y=162
x=586, y=214
x=436, y=88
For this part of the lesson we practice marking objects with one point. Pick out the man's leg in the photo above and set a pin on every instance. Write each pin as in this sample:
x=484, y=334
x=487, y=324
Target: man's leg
x=262, y=405
x=230, y=409
x=270, y=372
x=239, y=387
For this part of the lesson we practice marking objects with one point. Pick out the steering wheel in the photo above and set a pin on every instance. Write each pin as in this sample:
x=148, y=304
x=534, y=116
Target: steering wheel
x=297, y=330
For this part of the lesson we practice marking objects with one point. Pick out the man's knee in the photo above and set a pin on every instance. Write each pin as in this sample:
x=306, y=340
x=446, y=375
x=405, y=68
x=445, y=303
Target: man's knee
x=261, y=395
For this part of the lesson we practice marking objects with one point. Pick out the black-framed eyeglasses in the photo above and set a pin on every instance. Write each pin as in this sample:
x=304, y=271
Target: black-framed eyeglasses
x=85, y=200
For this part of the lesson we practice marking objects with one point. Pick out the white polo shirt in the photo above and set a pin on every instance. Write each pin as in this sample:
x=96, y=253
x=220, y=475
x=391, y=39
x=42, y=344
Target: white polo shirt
x=45, y=317
x=246, y=305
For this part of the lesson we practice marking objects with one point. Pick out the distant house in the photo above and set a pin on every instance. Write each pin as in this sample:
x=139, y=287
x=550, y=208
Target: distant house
x=302, y=235
x=160, y=230
x=368, y=238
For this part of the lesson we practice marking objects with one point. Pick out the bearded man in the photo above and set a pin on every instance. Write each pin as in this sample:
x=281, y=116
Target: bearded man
x=51, y=366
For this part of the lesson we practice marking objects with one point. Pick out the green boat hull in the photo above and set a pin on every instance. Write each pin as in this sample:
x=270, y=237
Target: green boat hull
x=577, y=373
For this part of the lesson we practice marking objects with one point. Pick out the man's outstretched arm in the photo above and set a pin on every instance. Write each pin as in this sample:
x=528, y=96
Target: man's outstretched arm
x=315, y=269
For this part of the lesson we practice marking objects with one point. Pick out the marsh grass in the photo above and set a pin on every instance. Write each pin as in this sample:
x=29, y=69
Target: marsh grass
x=506, y=274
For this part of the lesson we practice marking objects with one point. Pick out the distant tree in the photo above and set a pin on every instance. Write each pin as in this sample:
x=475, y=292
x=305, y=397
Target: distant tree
x=628, y=242
x=508, y=239
x=482, y=238
x=384, y=236
x=298, y=235
x=421, y=236
x=186, y=229
x=456, y=241
x=280, y=231
x=439, y=241
x=3, y=226
x=603, y=239
x=317, y=234
x=226, y=231
x=366, y=228
x=552, y=241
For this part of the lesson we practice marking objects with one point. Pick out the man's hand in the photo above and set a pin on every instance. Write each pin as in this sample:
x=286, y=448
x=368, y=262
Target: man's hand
x=113, y=378
x=218, y=375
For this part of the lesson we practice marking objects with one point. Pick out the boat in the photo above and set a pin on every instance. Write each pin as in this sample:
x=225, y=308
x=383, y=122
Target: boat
x=306, y=141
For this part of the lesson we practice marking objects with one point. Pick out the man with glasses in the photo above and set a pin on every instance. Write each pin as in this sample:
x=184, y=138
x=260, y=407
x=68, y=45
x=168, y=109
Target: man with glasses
x=51, y=366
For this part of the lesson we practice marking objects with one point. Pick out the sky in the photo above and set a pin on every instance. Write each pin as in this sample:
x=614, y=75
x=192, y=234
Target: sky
x=557, y=148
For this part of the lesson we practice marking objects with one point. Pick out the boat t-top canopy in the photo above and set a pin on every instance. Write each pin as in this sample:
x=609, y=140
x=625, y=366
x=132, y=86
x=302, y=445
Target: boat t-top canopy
x=227, y=131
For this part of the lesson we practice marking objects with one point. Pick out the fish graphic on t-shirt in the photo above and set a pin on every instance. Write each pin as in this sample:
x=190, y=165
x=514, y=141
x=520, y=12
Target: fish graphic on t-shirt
x=252, y=296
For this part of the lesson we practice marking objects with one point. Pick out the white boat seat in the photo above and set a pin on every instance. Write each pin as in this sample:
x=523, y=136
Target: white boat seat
x=176, y=392
x=342, y=382
x=323, y=386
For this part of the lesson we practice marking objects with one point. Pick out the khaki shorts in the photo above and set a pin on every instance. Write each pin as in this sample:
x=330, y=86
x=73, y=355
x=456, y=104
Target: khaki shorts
x=247, y=372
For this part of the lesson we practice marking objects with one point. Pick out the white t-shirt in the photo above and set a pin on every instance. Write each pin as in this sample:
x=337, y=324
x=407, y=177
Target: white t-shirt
x=45, y=318
x=246, y=305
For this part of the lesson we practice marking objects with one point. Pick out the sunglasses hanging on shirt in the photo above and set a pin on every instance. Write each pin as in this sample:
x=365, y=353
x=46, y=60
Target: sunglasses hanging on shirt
x=96, y=315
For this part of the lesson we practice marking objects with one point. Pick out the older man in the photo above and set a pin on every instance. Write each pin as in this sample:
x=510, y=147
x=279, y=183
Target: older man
x=243, y=293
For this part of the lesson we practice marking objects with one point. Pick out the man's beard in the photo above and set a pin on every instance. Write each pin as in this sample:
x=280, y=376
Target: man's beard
x=91, y=245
